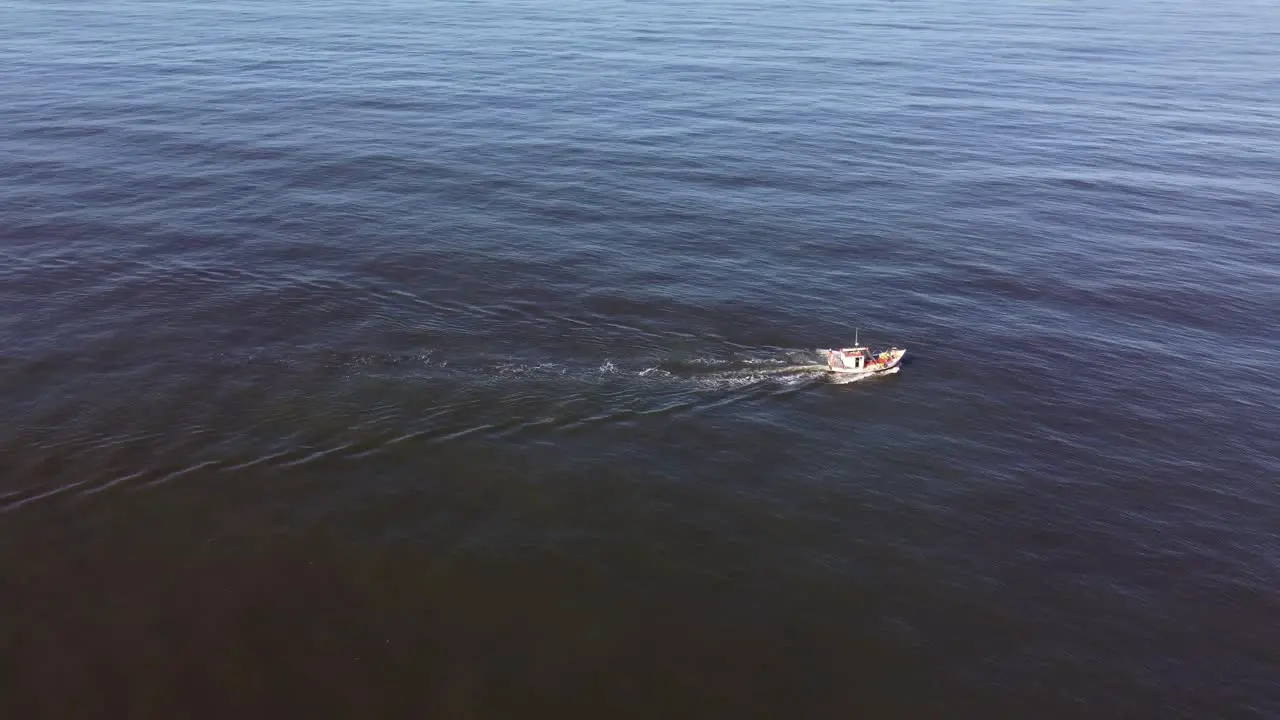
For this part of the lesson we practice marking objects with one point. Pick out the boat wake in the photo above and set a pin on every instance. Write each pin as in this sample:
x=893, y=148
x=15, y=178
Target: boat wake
x=361, y=404
x=779, y=366
x=704, y=371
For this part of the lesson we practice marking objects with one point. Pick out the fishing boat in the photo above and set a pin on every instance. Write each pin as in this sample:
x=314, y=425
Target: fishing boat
x=860, y=361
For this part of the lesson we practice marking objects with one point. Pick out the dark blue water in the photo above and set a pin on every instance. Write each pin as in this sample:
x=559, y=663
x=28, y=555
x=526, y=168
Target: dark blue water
x=455, y=359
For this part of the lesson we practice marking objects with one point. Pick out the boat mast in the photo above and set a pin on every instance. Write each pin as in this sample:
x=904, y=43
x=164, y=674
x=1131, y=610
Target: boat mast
x=855, y=337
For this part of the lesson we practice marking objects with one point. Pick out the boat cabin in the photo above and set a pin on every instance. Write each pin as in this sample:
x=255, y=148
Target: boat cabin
x=853, y=358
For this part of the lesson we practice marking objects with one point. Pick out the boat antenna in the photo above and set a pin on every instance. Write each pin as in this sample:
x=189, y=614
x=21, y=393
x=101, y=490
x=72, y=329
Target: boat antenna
x=855, y=337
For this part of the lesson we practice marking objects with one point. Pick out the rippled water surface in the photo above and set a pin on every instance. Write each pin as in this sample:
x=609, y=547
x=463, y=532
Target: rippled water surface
x=458, y=359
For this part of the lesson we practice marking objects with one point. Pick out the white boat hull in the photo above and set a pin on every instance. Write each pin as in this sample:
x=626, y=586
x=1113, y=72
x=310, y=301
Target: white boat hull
x=852, y=365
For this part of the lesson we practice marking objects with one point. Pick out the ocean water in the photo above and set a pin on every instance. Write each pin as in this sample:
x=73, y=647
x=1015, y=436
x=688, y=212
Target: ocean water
x=457, y=359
